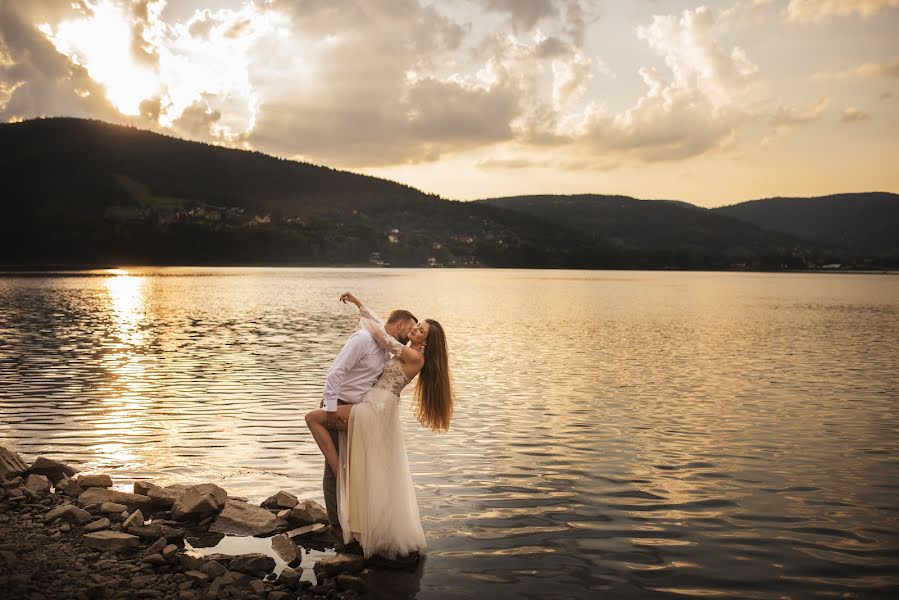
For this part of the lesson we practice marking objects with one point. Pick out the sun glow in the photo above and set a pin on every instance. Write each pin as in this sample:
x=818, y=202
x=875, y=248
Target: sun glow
x=101, y=43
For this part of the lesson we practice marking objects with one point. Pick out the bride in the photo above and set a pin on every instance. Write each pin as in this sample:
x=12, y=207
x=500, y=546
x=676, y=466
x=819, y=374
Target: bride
x=375, y=496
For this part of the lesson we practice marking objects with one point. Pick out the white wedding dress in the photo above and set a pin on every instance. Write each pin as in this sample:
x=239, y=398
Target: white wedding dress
x=376, y=500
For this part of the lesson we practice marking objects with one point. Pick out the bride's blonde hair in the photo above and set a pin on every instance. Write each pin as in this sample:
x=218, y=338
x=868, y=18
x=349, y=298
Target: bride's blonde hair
x=433, y=392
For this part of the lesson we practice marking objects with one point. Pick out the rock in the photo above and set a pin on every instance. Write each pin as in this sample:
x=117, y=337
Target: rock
x=189, y=562
x=277, y=595
x=289, y=577
x=200, y=501
x=169, y=551
x=308, y=512
x=134, y=519
x=99, y=495
x=65, y=528
x=242, y=518
x=110, y=540
x=11, y=464
x=53, y=470
x=142, y=487
x=197, y=576
x=285, y=548
x=98, y=480
x=213, y=568
x=163, y=497
x=154, y=559
x=308, y=530
x=97, y=525
x=38, y=484
x=156, y=546
x=254, y=564
x=154, y=531
x=339, y=563
x=283, y=514
x=205, y=539
x=351, y=582
x=224, y=580
x=69, y=487
x=70, y=513
x=286, y=499
x=258, y=587
x=112, y=507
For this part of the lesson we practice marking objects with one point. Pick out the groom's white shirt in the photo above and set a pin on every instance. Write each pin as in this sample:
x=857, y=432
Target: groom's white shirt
x=355, y=370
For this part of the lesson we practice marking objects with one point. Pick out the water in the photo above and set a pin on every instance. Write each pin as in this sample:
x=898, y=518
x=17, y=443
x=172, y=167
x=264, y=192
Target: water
x=625, y=434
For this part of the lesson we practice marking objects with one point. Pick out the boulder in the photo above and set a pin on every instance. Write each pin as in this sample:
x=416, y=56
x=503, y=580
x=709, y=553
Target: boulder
x=11, y=464
x=97, y=480
x=205, y=539
x=280, y=500
x=308, y=512
x=339, y=563
x=97, y=525
x=99, y=495
x=112, y=507
x=37, y=484
x=285, y=548
x=70, y=513
x=213, y=568
x=290, y=577
x=53, y=470
x=154, y=531
x=254, y=564
x=200, y=501
x=163, y=497
x=112, y=541
x=242, y=518
x=69, y=487
x=135, y=519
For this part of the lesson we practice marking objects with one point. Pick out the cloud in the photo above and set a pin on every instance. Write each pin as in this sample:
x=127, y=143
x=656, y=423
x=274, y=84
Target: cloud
x=867, y=70
x=814, y=11
x=524, y=14
x=853, y=115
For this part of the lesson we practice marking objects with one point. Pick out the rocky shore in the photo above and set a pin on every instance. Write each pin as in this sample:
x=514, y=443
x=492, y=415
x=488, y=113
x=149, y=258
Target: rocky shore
x=70, y=535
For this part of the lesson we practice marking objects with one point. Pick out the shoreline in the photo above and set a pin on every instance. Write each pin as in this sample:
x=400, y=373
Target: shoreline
x=64, y=534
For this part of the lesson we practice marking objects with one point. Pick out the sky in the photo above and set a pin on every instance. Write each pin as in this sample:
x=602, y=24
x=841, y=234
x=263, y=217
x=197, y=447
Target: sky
x=711, y=103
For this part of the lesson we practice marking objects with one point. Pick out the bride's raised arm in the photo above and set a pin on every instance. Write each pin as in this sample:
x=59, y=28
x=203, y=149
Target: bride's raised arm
x=372, y=323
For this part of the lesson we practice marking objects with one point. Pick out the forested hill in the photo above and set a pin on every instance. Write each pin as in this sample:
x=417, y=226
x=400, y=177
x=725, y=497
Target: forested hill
x=81, y=192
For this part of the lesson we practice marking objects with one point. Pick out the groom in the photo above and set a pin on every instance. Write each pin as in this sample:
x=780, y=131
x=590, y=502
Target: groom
x=357, y=366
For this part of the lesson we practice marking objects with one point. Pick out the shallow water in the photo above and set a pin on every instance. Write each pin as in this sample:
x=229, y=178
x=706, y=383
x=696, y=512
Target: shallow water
x=618, y=433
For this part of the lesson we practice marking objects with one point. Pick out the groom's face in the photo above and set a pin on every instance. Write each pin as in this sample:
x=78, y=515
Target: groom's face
x=402, y=333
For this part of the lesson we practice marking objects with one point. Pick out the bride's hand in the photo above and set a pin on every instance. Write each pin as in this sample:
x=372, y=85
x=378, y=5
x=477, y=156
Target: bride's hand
x=348, y=297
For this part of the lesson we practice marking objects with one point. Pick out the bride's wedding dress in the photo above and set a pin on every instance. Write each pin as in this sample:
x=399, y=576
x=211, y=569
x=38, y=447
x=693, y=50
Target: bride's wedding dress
x=376, y=500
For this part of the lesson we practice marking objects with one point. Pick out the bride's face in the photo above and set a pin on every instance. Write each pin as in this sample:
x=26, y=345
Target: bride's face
x=419, y=333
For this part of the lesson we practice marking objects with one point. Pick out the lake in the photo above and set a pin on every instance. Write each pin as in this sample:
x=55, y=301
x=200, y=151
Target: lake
x=617, y=433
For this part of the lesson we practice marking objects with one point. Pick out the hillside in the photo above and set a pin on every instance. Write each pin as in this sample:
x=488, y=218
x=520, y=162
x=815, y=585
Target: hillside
x=667, y=232
x=862, y=225
x=78, y=191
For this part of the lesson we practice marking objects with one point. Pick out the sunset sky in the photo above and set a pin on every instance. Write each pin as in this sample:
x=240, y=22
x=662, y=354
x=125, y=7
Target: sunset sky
x=712, y=103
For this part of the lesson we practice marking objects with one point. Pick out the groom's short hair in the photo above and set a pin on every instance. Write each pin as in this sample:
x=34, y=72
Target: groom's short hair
x=400, y=315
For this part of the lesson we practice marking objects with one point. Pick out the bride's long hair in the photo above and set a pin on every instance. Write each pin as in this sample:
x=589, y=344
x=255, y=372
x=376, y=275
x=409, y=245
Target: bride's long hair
x=434, y=392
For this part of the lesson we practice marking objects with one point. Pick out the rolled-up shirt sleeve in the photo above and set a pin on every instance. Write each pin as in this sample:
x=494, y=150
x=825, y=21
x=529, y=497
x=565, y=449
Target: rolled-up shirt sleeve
x=349, y=355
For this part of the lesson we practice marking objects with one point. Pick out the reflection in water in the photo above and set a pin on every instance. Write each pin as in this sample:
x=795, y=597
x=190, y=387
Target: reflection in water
x=625, y=433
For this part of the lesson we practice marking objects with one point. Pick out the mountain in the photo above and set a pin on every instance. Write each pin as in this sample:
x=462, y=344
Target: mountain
x=862, y=225
x=667, y=232
x=79, y=191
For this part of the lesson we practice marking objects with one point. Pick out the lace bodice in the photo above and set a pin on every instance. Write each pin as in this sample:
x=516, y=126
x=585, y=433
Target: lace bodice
x=393, y=379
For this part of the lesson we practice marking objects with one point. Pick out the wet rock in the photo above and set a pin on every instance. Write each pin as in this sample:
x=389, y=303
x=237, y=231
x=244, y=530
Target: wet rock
x=154, y=531
x=97, y=525
x=112, y=508
x=205, y=539
x=283, y=514
x=38, y=484
x=290, y=577
x=169, y=551
x=200, y=501
x=156, y=546
x=70, y=513
x=280, y=500
x=69, y=487
x=307, y=531
x=11, y=464
x=154, y=559
x=339, y=563
x=308, y=512
x=286, y=548
x=135, y=519
x=99, y=495
x=351, y=582
x=96, y=480
x=52, y=469
x=254, y=564
x=163, y=497
x=257, y=586
x=213, y=568
x=241, y=518
x=198, y=576
x=110, y=540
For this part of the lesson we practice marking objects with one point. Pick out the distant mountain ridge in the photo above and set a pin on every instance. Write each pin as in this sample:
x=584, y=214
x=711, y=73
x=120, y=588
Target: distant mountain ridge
x=79, y=191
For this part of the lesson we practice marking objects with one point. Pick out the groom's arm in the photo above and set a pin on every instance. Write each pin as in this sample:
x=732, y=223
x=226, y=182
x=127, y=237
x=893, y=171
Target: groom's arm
x=346, y=360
